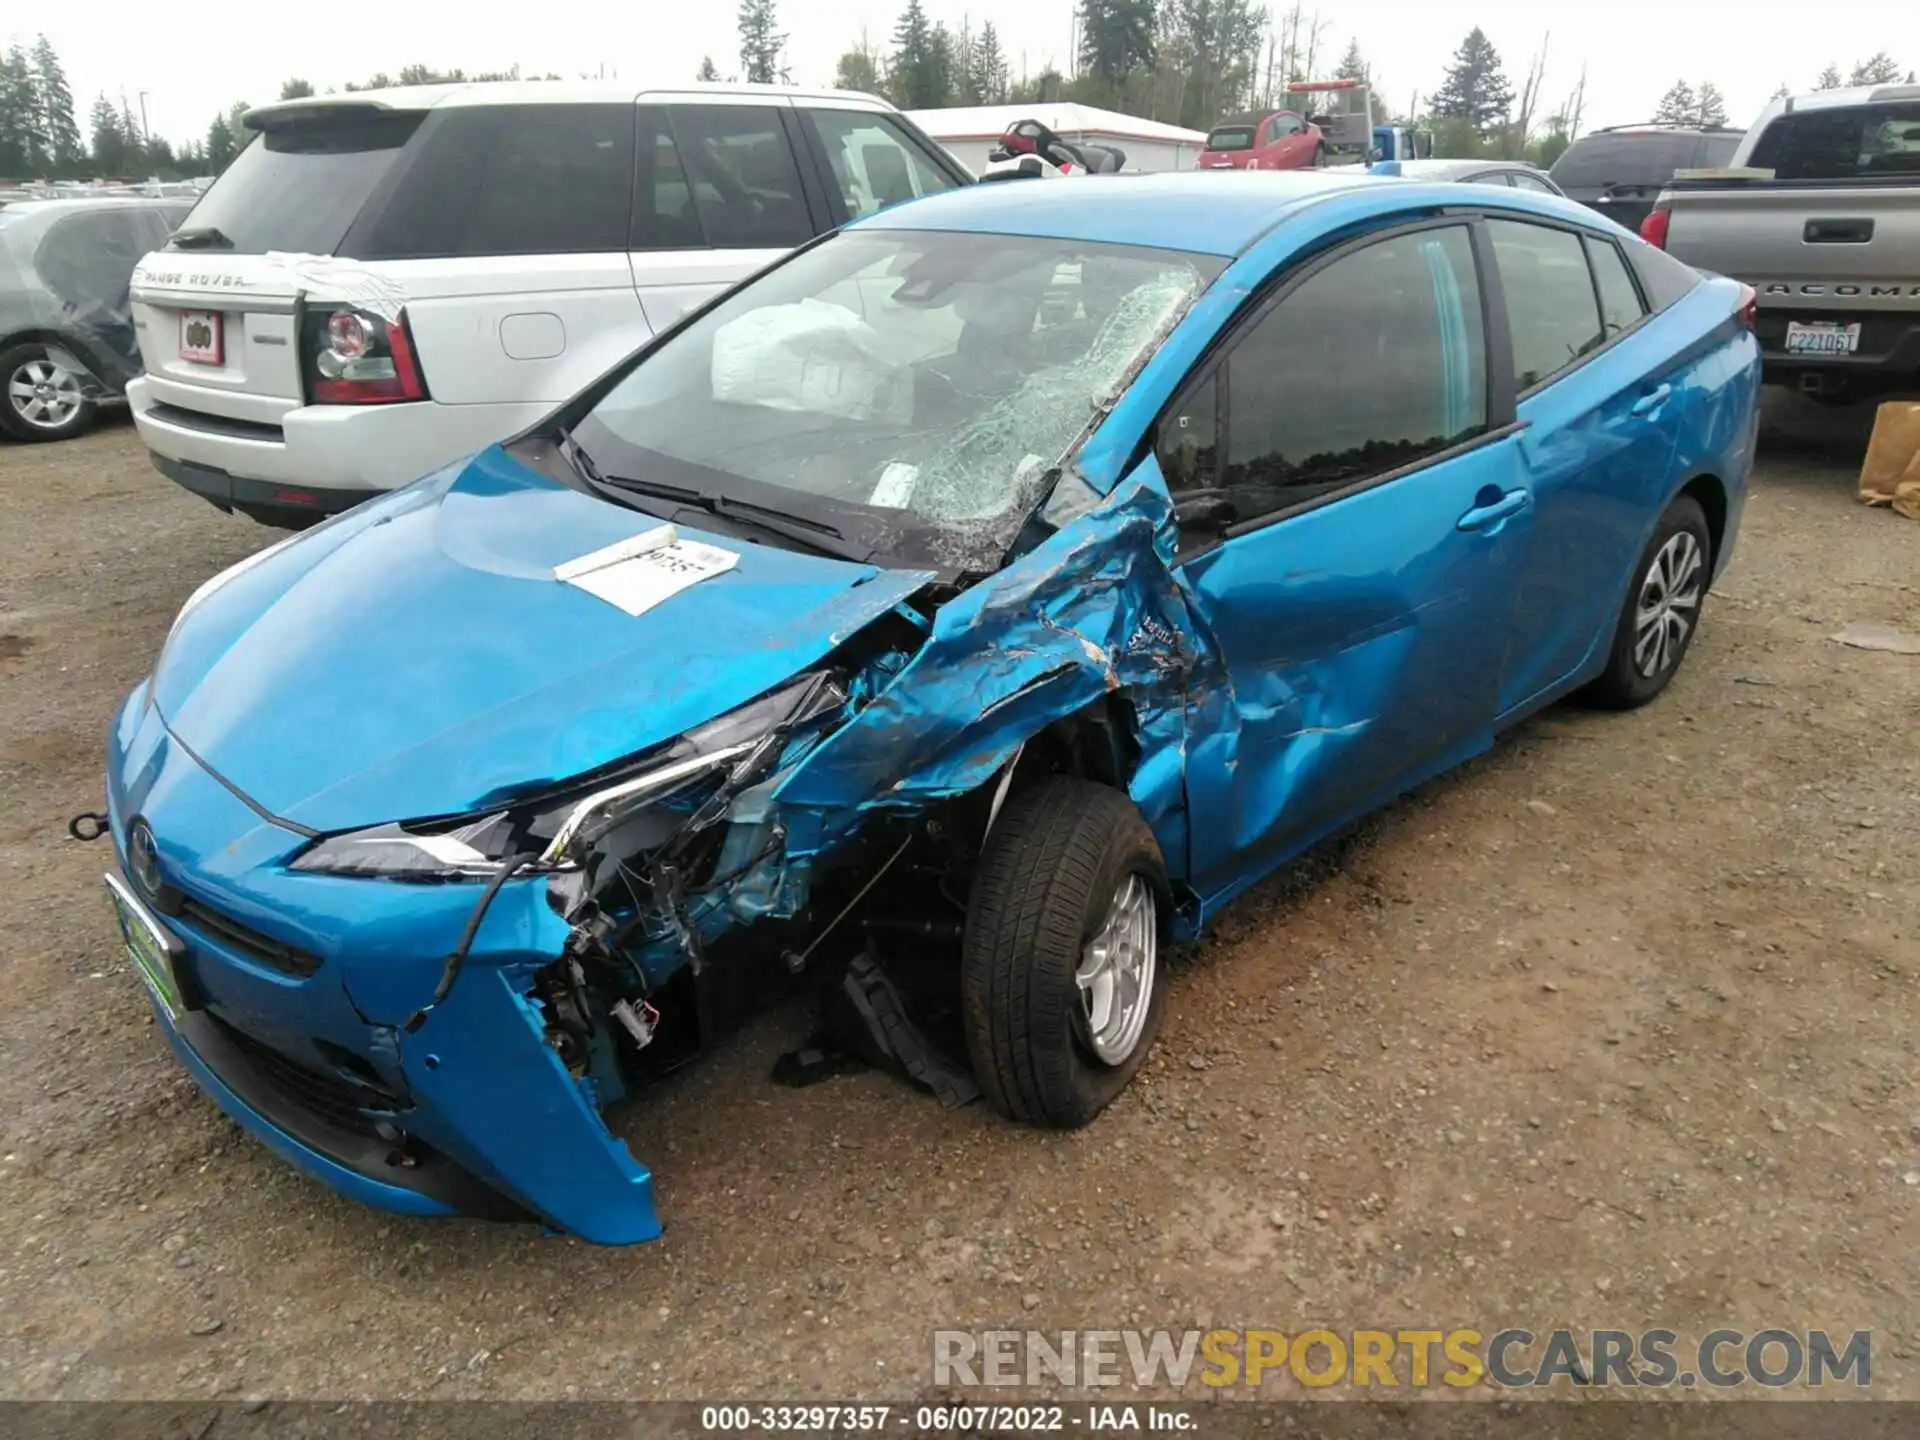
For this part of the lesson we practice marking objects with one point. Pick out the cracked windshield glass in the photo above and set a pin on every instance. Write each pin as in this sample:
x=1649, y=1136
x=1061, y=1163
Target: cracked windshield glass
x=914, y=391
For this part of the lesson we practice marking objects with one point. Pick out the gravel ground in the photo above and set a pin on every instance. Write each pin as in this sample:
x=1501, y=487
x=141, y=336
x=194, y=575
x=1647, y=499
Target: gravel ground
x=1614, y=1027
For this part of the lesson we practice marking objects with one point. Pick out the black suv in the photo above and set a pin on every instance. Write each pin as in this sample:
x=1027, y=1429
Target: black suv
x=1621, y=170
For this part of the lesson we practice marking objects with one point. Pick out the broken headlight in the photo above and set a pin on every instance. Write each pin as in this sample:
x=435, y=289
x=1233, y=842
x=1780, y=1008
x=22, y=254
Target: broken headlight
x=683, y=779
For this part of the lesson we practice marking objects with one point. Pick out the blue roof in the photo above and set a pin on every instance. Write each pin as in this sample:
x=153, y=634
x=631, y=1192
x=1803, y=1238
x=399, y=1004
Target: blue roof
x=1218, y=212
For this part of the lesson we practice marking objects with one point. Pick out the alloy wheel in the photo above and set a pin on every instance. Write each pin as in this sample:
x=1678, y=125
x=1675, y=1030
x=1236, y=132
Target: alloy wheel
x=44, y=394
x=1116, y=972
x=1669, y=604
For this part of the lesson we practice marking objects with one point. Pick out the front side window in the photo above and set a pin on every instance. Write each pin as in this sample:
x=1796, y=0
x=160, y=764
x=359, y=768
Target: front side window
x=1368, y=365
x=872, y=161
x=1550, y=304
x=914, y=390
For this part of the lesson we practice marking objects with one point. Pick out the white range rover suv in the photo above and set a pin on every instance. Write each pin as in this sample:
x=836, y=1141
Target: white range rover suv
x=387, y=281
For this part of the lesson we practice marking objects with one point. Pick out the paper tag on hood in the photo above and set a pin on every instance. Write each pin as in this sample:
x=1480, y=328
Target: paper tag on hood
x=637, y=574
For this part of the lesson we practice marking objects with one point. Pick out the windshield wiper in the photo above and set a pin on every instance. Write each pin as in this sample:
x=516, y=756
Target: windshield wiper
x=201, y=237
x=816, y=535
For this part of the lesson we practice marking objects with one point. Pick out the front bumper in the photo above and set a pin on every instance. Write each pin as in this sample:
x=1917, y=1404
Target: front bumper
x=298, y=989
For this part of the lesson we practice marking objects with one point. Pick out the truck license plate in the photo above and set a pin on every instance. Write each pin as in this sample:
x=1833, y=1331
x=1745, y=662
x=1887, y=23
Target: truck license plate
x=1822, y=337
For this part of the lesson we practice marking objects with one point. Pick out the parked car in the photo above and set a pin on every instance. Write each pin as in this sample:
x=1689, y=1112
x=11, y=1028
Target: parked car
x=1270, y=140
x=960, y=610
x=1519, y=175
x=1620, y=170
x=390, y=280
x=66, y=324
x=1820, y=213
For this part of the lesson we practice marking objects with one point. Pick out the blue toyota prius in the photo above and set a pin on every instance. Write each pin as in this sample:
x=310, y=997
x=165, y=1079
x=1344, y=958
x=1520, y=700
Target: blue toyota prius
x=947, y=619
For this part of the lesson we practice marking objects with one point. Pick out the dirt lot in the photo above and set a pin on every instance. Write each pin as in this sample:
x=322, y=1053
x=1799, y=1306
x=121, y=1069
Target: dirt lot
x=1614, y=1028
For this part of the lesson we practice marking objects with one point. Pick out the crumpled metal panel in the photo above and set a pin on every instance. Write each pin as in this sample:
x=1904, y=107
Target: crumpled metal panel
x=1095, y=611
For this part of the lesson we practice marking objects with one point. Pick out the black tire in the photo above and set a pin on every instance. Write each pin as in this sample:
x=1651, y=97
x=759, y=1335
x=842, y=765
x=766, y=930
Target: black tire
x=1053, y=863
x=1630, y=680
x=23, y=365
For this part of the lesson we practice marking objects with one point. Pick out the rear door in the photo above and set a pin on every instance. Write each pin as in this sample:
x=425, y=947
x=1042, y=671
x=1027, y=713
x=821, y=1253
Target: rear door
x=1599, y=396
x=295, y=190
x=718, y=194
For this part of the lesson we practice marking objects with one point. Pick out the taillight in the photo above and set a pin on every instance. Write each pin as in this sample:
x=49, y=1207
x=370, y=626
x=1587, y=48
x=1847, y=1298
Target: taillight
x=1653, y=229
x=1749, y=312
x=353, y=358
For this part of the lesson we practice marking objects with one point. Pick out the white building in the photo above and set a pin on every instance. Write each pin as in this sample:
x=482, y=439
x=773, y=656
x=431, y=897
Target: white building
x=968, y=132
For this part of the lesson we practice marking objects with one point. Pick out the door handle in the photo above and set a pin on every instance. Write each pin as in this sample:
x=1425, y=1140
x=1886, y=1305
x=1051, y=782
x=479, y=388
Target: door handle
x=1652, y=400
x=1484, y=517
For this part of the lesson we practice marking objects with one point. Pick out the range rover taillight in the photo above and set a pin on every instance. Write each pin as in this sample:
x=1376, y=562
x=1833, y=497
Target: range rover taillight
x=355, y=358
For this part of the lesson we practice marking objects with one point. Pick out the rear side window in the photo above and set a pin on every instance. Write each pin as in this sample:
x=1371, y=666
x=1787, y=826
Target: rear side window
x=873, y=163
x=299, y=186
x=1231, y=137
x=509, y=180
x=1644, y=158
x=1664, y=279
x=1403, y=316
x=1523, y=181
x=1550, y=302
x=1858, y=141
x=1717, y=150
x=1620, y=307
x=723, y=173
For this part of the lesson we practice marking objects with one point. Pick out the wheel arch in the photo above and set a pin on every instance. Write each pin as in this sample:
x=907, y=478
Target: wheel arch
x=1710, y=493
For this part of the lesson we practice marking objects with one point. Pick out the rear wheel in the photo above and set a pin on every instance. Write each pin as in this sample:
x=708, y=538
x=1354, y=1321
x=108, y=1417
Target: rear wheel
x=40, y=397
x=1061, y=973
x=1662, y=611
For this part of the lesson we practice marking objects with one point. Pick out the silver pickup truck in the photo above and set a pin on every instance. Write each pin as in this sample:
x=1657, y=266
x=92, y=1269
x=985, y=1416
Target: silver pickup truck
x=1819, y=211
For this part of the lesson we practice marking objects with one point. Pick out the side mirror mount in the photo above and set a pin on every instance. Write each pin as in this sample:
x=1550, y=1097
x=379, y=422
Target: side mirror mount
x=1205, y=510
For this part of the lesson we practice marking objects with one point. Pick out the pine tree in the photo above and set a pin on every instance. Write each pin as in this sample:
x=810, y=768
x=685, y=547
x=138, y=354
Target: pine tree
x=1829, y=79
x=109, y=139
x=136, y=137
x=295, y=89
x=23, y=145
x=1711, y=107
x=1877, y=69
x=708, y=72
x=1780, y=94
x=1353, y=66
x=1678, y=106
x=221, y=145
x=1475, y=89
x=913, y=79
x=760, y=42
x=59, y=132
x=987, y=67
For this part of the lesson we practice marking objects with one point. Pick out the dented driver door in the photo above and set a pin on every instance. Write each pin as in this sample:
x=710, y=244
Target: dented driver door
x=1351, y=513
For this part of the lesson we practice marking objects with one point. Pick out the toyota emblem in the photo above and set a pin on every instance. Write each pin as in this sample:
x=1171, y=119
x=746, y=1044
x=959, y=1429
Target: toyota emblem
x=143, y=859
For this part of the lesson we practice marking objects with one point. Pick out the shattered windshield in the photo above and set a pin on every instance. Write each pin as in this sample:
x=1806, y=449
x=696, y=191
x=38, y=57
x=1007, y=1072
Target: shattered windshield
x=915, y=389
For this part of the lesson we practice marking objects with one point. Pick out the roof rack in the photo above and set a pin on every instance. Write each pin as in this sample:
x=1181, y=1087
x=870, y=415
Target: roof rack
x=1661, y=125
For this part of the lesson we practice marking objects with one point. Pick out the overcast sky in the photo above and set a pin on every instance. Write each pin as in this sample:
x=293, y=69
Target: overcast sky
x=194, y=59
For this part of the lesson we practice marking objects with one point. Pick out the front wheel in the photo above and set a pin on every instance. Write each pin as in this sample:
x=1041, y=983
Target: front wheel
x=1061, y=975
x=40, y=398
x=1662, y=611
x=1321, y=159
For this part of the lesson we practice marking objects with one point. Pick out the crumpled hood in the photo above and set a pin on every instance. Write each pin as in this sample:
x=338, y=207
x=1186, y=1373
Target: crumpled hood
x=416, y=657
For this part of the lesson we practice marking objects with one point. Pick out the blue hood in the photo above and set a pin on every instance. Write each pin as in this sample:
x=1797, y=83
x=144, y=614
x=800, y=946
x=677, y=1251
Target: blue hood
x=416, y=657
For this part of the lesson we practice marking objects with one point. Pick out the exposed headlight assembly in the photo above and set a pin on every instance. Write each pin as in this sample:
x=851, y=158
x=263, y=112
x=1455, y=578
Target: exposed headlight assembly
x=562, y=826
